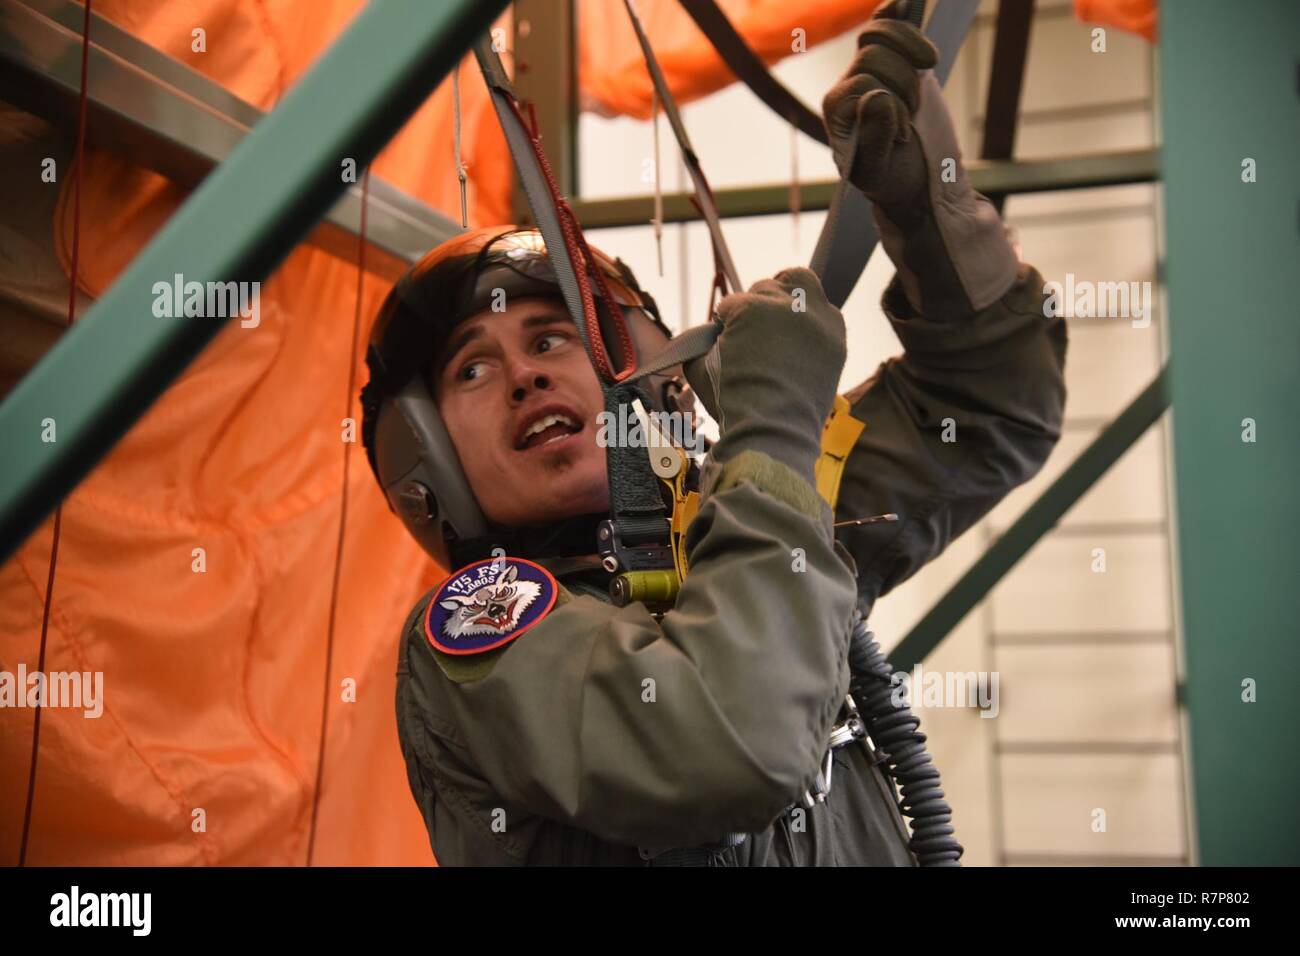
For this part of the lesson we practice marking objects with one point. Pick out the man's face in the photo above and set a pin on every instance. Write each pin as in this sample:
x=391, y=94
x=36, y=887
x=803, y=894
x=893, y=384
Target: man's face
x=501, y=376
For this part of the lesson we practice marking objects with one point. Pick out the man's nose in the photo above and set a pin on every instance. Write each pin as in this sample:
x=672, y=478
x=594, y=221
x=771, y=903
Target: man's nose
x=526, y=378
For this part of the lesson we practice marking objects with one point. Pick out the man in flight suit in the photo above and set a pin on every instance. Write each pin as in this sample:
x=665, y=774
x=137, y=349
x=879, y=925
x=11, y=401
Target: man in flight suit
x=542, y=724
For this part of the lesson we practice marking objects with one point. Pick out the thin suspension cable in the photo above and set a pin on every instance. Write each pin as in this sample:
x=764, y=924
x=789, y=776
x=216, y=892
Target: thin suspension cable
x=78, y=161
x=343, y=520
x=658, y=220
x=704, y=200
x=460, y=167
x=794, y=183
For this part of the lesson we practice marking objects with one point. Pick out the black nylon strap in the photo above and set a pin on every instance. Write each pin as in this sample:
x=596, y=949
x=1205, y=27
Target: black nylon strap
x=634, y=497
x=849, y=235
x=751, y=70
x=1002, y=109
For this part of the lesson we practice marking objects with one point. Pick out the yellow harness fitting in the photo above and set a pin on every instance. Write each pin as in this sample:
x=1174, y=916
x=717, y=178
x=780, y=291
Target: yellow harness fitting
x=685, y=505
x=838, y=438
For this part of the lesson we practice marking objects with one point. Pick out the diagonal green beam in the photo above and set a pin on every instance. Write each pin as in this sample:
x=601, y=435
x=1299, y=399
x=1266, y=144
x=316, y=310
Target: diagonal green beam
x=1038, y=519
x=238, y=226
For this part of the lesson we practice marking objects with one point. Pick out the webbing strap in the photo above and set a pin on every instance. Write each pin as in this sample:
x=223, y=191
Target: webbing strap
x=752, y=71
x=849, y=236
x=691, y=344
x=556, y=222
x=633, y=489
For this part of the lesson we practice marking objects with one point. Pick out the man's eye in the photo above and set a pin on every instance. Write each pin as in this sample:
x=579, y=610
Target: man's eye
x=466, y=372
x=561, y=338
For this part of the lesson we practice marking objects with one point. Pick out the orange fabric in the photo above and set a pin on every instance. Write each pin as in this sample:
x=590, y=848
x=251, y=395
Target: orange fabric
x=1136, y=16
x=213, y=680
x=613, y=75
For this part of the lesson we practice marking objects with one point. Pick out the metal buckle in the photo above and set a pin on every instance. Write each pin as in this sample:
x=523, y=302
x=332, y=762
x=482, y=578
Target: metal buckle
x=617, y=556
x=850, y=729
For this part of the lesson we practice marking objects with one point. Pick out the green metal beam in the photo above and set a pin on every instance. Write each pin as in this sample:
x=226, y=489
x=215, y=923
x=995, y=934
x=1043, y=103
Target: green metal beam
x=244, y=219
x=1038, y=519
x=988, y=176
x=1230, y=105
x=163, y=115
x=545, y=75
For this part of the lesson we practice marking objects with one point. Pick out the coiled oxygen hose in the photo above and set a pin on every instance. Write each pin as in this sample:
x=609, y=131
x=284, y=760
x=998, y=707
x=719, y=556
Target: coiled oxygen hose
x=900, y=744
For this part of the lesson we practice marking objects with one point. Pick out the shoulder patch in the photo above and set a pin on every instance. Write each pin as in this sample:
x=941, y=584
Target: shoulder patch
x=487, y=604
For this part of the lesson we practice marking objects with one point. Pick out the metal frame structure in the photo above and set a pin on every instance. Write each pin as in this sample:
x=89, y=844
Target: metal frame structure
x=173, y=120
x=988, y=176
x=1233, y=245
x=240, y=222
x=545, y=55
x=184, y=101
x=264, y=182
x=1015, y=20
x=1038, y=519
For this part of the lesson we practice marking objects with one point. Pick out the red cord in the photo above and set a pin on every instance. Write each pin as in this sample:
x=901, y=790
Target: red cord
x=79, y=157
x=343, y=519
x=584, y=266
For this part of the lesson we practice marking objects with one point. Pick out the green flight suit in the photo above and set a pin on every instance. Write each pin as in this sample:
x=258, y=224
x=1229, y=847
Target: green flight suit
x=555, y=749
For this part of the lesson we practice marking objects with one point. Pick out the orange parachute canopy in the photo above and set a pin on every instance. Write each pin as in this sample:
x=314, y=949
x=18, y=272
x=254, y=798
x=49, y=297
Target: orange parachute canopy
x=613, y=74
x=195, y=562
x=1135, y=16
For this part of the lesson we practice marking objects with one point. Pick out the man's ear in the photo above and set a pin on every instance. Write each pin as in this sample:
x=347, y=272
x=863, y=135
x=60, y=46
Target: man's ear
x=646, y=335
x=433, y=379
x=443, y=555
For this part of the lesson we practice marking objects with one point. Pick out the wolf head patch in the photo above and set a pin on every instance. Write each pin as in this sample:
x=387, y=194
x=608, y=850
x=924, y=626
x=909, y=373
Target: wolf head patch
x=487, y=604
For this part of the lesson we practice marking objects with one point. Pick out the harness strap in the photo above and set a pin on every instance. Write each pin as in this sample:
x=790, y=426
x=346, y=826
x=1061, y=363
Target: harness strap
x=691, y=344
x=634, y=494
x=752, y=71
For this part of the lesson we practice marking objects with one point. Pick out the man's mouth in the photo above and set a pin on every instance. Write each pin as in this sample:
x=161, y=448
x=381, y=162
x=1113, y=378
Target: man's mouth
x=546, y=429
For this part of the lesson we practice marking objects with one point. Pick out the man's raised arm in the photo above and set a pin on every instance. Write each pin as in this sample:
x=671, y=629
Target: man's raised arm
x=974, y=406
